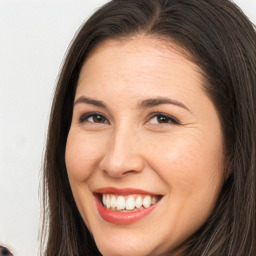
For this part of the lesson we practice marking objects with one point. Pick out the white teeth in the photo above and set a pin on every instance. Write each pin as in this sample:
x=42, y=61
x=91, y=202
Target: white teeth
x=104, y=199
x=108, y=201
x=129, y=203
x=138, y=202
x=146, y=201
x=113, y=202
x=120, y=203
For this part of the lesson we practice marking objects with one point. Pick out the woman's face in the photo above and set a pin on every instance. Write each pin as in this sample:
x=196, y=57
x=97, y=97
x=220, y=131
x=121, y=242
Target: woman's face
x=144, y=153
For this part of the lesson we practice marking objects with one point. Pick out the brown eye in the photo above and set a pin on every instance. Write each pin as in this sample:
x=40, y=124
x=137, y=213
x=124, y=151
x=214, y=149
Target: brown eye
x=163, y=119
x=93, y=118
x=98, y=119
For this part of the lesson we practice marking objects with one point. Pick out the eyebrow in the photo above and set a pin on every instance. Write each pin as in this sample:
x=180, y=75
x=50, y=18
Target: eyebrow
x=161, y=100
x=90, y=101
x=147, y=103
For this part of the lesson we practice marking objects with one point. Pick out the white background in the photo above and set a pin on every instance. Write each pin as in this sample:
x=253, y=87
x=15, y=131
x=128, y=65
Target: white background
x=34, y=36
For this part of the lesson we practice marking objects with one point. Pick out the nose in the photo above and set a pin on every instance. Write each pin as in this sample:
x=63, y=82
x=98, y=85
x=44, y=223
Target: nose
x=122, y=155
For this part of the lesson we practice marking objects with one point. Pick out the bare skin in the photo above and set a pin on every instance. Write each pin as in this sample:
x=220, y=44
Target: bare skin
x=142, y=120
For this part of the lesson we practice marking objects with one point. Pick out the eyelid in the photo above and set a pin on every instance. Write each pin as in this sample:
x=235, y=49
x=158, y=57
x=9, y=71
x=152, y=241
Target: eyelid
x=173, y=120
x=83, y=118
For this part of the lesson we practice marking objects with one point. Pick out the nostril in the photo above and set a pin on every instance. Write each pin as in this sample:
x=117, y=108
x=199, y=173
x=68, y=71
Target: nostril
x=131, y=171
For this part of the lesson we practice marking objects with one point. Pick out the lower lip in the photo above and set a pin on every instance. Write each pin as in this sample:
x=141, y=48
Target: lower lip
x=122, y=218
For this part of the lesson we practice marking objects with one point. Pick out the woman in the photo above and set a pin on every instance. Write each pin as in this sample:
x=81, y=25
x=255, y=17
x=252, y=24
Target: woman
x=151, y=144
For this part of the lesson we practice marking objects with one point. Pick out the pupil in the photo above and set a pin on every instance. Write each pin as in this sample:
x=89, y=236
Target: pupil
x=98, y=119
x=162, y=119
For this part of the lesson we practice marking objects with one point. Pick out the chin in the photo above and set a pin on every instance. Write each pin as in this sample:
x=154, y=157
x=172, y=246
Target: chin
x=127, y=249
x=129, y=242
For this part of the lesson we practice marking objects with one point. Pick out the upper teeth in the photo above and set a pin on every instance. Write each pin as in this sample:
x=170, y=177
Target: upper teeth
x=127, y=202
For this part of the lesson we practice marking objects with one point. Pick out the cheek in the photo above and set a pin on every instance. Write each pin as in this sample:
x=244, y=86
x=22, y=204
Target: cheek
x=192, y=172
x=188, y=164
x=80, y=156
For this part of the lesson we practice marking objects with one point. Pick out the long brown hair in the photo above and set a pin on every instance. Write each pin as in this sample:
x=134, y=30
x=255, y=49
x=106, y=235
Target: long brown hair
x=222, y=42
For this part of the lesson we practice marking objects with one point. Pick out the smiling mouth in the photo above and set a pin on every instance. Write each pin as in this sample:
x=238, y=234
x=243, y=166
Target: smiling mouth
x=128, y=203
x=125, y=206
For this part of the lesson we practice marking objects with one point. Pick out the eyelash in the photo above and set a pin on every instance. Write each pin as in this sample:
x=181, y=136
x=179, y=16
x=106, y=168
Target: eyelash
x=85, y=117
x=169, y=119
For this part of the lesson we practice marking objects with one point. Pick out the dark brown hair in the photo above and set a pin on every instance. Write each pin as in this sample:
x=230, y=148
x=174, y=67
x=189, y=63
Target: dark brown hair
x=222, y=42
x=4, y=251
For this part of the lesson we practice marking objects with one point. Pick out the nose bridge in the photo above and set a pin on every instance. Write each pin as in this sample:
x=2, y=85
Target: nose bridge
x=122, y=154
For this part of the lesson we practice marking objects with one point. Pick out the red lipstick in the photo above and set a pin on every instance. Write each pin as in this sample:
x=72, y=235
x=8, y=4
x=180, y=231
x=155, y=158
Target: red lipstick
x=121, y=217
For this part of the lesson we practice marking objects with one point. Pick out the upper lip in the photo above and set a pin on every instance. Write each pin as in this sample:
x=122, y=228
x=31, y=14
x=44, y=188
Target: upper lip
x=122, y=191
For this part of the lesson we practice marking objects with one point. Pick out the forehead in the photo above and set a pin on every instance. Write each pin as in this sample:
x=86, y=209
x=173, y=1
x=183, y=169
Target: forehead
x=140, y=57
